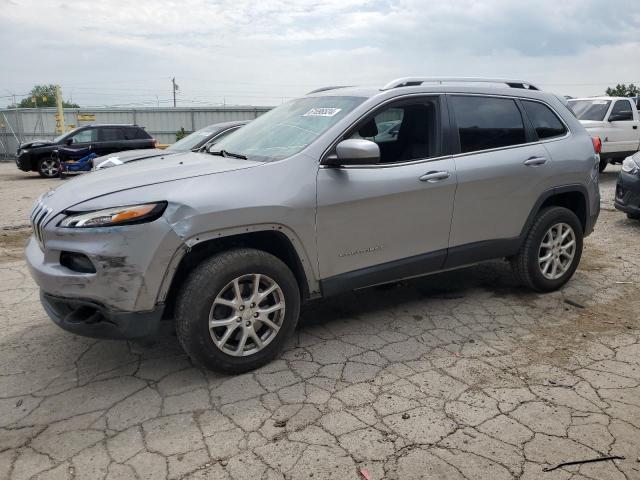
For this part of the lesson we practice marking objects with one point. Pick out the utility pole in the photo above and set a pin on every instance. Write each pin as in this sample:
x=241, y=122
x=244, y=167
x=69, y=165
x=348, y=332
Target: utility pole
x=60, y=127
x=175, y=89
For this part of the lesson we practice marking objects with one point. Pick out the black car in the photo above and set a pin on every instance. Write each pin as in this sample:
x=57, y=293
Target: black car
x=36, y=156
x=628, y=187
x=193, y=142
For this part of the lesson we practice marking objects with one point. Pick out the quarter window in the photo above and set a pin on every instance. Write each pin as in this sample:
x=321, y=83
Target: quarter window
x=404, y=132
x=487, y=122
x=546, y=123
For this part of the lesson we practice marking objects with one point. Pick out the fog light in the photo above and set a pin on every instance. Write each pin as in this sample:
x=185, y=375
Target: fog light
x=78, y=262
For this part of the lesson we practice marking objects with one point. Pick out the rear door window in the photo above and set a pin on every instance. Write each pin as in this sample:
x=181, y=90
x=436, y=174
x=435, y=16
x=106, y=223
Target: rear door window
x=487, y=122
x=546, y=123
x=111, y=134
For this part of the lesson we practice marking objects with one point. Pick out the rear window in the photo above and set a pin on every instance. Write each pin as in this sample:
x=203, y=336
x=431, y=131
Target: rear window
x=546, y=123
x=487, y=122
x=137, y=133
x=590, y=109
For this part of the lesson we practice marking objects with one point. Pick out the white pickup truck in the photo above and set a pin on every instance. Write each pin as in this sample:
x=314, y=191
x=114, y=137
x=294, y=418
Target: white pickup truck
x=613, y=119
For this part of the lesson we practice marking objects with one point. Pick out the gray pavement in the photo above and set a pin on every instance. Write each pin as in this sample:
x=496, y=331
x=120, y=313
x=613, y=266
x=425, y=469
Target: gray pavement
x=461, y=375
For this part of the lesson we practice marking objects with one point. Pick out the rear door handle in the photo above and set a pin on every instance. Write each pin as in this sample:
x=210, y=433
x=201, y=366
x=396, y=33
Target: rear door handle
x=535, y=161
x=433, y=177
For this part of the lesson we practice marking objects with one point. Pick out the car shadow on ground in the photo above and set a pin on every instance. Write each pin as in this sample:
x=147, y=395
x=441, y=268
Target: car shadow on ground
x=392, y=305
x=495, y=277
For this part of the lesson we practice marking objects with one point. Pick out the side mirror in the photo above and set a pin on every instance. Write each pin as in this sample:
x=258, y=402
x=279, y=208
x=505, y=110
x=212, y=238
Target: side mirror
x=68, y=141
x=354, y=151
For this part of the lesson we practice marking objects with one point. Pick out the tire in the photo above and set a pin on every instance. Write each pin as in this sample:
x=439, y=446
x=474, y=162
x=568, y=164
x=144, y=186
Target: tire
x=48, y=167
x=531, y=260
x=209, y=291
x=603, y=164
x=633, y=216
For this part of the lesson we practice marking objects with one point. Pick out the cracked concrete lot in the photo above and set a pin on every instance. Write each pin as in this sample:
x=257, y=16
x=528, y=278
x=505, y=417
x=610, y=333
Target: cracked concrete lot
x=457, y=376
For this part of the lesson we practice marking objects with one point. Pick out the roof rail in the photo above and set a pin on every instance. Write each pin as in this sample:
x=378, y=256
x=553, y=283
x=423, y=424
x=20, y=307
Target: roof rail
x=324, y=89
x=412, y=81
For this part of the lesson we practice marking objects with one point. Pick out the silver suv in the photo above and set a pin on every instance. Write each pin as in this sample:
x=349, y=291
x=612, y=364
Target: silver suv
x=341, y=189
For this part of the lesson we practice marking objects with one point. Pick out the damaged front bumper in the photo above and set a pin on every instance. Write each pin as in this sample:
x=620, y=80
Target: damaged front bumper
x=91, y=319
x=118, y=296
x=627, y=197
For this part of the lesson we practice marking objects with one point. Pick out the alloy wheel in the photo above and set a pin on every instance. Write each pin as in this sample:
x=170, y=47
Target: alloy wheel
x=49, y=167
x=557, y=250
x=246, y=315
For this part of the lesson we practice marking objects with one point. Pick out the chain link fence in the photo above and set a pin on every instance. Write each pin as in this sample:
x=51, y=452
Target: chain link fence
x=27, y=124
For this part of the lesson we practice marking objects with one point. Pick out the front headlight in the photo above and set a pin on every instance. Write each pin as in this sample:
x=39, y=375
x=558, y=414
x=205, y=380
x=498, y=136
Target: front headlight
x=127, y=215
x=630, y=166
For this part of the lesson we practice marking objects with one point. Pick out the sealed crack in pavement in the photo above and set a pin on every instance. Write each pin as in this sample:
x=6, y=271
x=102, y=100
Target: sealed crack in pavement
x=370, y=382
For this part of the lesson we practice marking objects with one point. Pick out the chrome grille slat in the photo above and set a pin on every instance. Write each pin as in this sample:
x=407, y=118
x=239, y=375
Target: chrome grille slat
x=38, y=215
x=35, y=210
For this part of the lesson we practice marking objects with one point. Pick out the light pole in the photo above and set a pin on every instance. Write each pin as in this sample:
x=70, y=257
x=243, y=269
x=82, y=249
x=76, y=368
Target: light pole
x=175, y=89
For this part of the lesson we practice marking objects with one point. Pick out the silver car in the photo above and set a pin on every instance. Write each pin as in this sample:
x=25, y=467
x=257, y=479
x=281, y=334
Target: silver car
x=308, y=201
x=200, y=139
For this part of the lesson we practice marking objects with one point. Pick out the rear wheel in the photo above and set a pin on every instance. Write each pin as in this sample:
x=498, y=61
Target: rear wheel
x=237, y=309
x=551, y=251
x=633, y=216
x=48, y=167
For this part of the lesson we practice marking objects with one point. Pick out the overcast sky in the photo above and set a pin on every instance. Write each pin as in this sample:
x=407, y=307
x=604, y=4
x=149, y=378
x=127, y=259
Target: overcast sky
x=263, y=51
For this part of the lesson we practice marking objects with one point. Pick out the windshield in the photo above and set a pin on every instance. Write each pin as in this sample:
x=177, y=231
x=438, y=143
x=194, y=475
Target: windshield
x=590, y=109
x=289, y=128
x=192, y=140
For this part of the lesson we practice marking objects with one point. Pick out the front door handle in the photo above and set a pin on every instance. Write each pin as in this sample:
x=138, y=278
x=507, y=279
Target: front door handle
x=535, y=161
x=433, y=177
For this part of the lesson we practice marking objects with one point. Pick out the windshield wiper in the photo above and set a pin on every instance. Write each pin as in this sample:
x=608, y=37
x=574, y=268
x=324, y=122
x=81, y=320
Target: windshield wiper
x=225, y=153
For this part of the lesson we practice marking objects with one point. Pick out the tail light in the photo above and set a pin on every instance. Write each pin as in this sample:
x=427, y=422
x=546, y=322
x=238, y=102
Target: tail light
x=155, y=143
x=597, y=144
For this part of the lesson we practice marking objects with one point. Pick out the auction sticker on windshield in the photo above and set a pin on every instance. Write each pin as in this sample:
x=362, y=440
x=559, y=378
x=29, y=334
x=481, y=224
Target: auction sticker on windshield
x=322, y=112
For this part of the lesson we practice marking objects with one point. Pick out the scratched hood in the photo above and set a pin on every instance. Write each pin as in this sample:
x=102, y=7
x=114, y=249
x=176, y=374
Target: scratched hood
x=141, y=173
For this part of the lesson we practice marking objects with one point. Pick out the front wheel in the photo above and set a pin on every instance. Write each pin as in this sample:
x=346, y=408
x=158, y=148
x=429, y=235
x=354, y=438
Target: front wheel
x=551, y=251
x=49, y=167
x=633, y=216
x=237, y=309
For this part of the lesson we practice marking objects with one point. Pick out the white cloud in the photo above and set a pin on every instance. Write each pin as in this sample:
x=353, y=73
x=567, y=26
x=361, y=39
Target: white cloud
x=243, y=51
